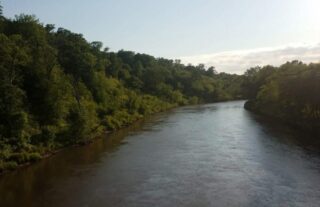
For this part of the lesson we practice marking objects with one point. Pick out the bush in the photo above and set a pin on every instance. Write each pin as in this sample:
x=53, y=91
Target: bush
x=193, y=100
x=120, y=119
x=34, y=157
x=24, y=157
x=8, y=166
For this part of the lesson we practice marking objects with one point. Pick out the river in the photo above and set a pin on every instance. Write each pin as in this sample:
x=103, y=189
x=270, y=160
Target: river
x=207, y=155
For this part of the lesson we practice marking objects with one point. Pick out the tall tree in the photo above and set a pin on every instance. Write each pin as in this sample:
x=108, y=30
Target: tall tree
x=1, y=10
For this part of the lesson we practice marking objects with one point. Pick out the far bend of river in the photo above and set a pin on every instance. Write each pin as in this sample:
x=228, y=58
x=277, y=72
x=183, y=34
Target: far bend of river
x=208, y=155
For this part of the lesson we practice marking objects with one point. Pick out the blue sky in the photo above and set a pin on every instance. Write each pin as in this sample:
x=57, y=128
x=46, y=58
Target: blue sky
x=229, y=34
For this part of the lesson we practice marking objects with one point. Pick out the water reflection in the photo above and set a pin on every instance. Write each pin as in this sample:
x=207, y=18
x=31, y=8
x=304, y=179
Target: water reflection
x=206, y=155
x=26, y=186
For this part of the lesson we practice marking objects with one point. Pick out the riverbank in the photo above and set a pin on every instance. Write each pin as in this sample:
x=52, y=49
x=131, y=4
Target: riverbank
x=205, y=155
x=275, y=113
x=110, y=125
x=66, y=90
x=24, y=159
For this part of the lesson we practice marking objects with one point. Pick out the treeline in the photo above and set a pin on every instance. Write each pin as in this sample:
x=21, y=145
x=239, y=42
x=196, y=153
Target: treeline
x=58, y=89
x=290, y=93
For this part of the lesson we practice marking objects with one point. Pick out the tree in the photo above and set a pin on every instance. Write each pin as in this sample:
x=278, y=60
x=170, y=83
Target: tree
x=14, y=119
x=1, y=10
x=96, y=45
x=58, y=89
x=288, y=93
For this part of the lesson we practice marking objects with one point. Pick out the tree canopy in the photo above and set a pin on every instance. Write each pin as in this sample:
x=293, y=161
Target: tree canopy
x=58, y=89
x=289, y=93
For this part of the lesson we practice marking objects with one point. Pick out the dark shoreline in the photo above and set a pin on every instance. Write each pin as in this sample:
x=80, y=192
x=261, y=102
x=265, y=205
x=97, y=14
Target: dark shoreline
x=99, y=136
x=83, y=144
x=297, y=125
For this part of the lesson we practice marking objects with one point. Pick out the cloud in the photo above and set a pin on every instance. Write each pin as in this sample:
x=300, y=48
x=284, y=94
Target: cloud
x=240, y=60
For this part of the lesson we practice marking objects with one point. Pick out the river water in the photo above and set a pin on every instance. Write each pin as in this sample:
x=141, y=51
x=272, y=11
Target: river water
x=208, y=155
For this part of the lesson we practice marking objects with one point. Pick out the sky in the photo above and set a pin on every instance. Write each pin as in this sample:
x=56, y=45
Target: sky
x=231, y=35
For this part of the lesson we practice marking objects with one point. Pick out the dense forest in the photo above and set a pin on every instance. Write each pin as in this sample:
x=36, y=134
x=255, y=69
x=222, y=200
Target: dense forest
x=290, y=93
x=58, y=89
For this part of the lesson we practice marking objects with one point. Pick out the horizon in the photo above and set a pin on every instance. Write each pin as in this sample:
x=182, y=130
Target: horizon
x=230, y=38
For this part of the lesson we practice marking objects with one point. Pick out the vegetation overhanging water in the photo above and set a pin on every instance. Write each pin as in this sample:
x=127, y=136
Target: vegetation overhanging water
x=57, y=89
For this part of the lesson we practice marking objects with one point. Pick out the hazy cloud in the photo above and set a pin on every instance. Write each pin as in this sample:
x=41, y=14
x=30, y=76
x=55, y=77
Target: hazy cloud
x=239, y=61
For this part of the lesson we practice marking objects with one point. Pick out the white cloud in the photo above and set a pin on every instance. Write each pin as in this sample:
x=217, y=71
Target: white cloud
x=240, y=60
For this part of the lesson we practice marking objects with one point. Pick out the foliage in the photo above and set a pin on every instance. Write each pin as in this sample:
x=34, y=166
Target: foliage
x=289, y=93
x=58, y=89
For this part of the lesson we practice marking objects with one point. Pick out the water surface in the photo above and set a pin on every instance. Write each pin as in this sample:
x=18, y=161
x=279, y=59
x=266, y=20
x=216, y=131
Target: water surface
x=208, y=155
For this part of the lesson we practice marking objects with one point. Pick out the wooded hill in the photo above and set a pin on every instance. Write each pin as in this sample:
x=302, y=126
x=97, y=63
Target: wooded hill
x=58, y=89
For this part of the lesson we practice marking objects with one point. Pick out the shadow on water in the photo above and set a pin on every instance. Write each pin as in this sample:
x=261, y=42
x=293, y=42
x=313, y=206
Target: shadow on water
x=26, y=186
x=286, y=134
x=205, y=155
x=205, y=108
